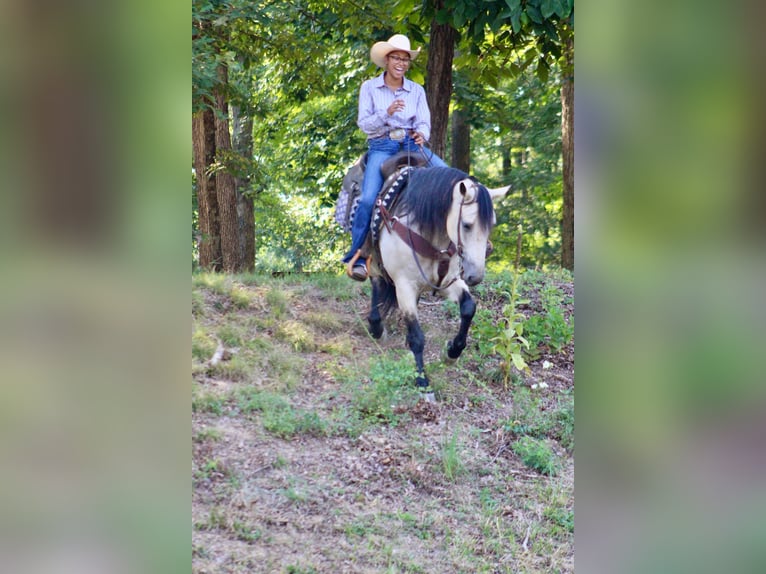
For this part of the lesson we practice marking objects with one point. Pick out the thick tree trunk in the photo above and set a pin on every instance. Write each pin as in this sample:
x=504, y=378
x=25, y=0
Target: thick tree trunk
x=242, y=128
x=461, y=141
x=441, y=50
x=567, y=147
x=225, y=184
x=203, y=138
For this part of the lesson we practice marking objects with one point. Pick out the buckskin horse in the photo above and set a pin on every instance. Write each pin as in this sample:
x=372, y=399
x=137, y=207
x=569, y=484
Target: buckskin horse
x=434, y=236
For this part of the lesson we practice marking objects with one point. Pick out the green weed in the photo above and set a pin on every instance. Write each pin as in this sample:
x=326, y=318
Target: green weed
x=203, y=345
x=537, y=455
x=297, y=335
x=277, y=301
x=279, y=417
x=240, y=297
x=230, y=335
x=391, y=383
x=235, y=369
x=528, y=417
x=207, y=403
x=451, y=462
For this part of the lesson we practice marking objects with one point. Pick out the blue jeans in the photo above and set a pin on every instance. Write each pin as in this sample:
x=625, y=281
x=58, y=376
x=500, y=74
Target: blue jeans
x=379, y=150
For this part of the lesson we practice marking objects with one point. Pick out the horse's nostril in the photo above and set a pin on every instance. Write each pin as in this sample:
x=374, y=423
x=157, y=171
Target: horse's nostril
x=472, y=279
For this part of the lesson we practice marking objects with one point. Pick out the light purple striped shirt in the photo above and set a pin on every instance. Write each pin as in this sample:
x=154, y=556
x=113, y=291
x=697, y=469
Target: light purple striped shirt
x=375, y=97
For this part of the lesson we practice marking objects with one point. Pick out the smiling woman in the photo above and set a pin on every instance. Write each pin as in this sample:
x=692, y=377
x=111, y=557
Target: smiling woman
x=394, y=114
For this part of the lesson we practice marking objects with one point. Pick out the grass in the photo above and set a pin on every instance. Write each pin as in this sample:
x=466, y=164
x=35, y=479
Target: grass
x=452, y=463
x=537, y=455
x=312, y=447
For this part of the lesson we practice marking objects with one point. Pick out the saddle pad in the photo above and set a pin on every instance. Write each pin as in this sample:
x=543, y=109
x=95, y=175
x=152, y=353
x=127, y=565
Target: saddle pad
x=390, y=192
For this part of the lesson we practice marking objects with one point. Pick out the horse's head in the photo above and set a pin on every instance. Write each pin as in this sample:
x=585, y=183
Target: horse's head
x=469, y=224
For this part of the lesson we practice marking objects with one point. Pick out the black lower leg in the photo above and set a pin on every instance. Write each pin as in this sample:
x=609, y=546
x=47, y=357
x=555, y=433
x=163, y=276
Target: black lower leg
x=417, y=341
x=467, y=311
x=374, y=318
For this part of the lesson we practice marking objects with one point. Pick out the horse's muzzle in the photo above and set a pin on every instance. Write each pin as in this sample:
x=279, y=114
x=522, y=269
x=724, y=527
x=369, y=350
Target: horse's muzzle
x=472, y=278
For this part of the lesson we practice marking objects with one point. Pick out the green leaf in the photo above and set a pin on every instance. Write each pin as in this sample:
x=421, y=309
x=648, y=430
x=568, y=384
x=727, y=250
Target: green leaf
x=548, y=7
x=518, y=361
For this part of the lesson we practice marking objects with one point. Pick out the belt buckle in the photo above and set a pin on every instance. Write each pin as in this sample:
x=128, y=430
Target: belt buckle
x=397, y=134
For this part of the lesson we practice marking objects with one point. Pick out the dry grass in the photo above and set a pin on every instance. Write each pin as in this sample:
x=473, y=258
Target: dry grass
x=294, y=471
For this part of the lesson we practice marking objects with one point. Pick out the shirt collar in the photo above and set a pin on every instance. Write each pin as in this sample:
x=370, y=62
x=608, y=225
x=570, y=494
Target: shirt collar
x=380, y=83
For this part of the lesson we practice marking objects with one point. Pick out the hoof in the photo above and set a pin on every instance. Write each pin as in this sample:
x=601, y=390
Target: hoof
x=376, y=329
x=446, y=357
x=428, y=396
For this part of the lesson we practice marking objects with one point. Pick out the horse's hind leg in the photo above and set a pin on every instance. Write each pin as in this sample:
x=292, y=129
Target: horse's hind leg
x=467, y=311
x=375, y=319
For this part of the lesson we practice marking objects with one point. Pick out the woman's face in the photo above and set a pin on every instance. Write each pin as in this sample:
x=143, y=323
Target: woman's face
x=397, y=64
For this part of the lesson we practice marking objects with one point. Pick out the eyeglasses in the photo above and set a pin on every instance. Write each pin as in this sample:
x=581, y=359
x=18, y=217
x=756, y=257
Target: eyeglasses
x=399, y=60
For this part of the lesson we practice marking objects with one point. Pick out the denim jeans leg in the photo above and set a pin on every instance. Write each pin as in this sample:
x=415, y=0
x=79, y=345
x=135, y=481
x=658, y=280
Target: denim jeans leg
x=373, y=181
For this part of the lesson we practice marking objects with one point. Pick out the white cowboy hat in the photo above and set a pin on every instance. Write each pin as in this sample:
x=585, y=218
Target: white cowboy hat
x=396, y=43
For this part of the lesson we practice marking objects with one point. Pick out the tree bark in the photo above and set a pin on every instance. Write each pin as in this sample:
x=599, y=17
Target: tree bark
x=461, y=141
x=567, y=150
x=242, y=129
x=441, y=50
x=203, y=138
x=224, y=182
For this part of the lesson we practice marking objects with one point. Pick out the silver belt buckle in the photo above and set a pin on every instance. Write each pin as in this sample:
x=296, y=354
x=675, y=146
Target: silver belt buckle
x=397, y=134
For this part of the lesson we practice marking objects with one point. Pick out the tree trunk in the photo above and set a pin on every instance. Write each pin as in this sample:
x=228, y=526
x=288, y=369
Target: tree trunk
x=567, y=149
x=461, y=141
x=242, y=128
x=203, y=138
x=224, y=182
x=441, y=50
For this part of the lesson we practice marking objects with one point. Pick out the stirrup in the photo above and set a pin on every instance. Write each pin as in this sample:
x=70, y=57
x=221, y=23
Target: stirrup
x=352, y=262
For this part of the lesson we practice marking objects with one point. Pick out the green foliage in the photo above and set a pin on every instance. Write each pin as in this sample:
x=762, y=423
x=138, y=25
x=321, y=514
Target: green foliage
x=278, y=416
x=391, y=383
x=451, y=462
x=537, y=454
x=295, y=70
x=550, y=327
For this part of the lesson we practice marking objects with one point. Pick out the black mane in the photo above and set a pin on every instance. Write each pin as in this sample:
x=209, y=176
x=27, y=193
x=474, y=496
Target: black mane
x=428, y=198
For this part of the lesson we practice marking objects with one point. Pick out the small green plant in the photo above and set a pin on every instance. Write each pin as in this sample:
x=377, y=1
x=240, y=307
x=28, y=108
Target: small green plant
x=297, y=335
x=203, y=345
x=529, y=419
x=536, y=454
x=207, y=403
x=391, y=382
x=550, y=327
x=277, y=302
x=451, y=462
x=510, y=342
x=279, y=417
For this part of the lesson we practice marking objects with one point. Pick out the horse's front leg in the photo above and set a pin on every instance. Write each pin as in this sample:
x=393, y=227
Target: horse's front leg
x=416, y=339
x=459, y=293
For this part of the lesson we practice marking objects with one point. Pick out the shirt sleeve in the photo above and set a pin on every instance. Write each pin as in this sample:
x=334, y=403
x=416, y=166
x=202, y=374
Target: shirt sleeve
x=422, y=115
x=370, y=120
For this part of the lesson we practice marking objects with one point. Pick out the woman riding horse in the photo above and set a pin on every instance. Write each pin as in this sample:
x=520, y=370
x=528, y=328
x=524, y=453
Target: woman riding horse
x=394, y=114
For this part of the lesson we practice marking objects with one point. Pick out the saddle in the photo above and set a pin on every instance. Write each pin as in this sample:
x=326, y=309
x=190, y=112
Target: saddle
x=351, y=189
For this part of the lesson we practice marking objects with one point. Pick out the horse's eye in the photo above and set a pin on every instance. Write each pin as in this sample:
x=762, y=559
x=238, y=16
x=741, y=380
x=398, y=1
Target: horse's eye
x=467, y=226
x=490, y=248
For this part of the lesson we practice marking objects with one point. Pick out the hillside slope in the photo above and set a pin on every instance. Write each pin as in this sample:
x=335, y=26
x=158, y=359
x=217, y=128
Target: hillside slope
x=313, y=452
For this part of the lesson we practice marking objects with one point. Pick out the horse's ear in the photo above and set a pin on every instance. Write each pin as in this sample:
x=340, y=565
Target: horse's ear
x=498, y=192
x=467, y=191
